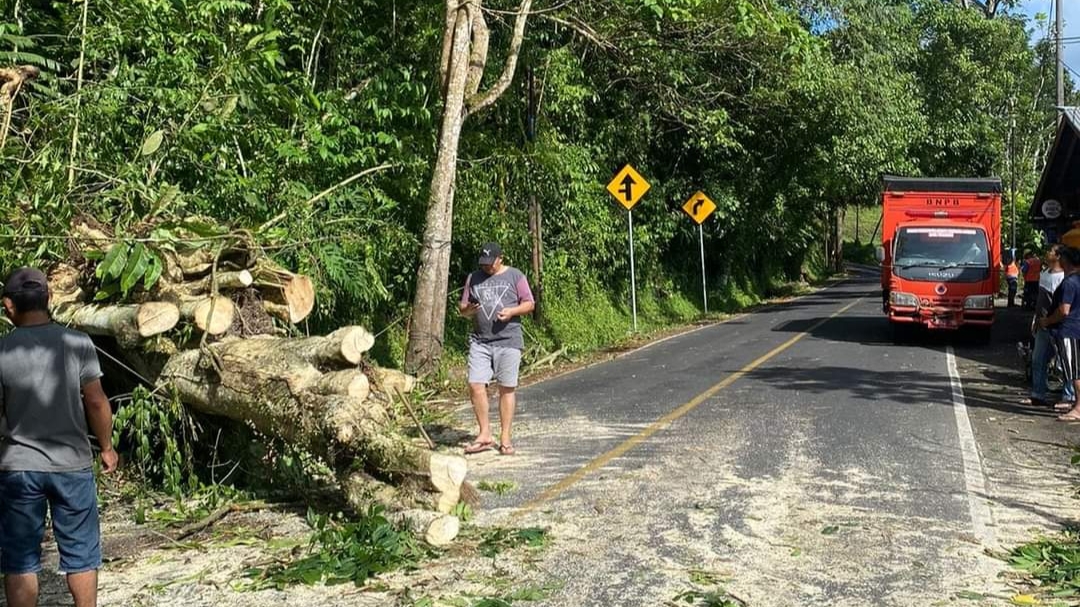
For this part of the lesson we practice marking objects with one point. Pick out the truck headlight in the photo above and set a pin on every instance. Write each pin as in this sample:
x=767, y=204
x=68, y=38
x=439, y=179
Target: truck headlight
x=904, y=300
x=979, y=302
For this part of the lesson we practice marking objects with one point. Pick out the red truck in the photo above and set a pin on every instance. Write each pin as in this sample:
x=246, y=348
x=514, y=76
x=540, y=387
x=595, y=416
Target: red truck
x=941, y=252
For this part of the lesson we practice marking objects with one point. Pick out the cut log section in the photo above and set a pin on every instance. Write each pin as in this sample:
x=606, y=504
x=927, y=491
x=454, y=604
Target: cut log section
x=213, y=315
x=390, y=381
x=127, y=323
x=346, y=345
x=293, y=294
x=225, y=281
x=441, y=474
x=435, y=528
x=349, y=383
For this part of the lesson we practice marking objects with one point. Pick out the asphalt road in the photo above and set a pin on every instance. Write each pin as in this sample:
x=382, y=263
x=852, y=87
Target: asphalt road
x=794, y=453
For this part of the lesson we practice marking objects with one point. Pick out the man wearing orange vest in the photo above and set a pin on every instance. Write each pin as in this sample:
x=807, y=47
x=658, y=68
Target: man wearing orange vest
x=1012, y=276
x=1032, y=268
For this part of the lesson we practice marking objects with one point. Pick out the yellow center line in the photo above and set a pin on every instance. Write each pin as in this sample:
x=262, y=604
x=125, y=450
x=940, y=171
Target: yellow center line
x=606, y=458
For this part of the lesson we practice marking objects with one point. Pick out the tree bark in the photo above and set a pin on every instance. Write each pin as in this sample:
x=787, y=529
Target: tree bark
x=225, y=280
x=427, y=328
x=435, y=528
x=346, y=345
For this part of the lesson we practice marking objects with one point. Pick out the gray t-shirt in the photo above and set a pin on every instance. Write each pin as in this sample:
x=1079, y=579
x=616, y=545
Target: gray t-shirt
x=42, y=371
x=495, y=292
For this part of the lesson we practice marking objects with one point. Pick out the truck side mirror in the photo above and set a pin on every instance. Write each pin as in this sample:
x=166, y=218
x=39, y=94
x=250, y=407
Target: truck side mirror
x=880, y=254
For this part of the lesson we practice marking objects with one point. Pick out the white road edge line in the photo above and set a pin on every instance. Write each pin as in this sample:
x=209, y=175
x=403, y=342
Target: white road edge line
x=982, y=520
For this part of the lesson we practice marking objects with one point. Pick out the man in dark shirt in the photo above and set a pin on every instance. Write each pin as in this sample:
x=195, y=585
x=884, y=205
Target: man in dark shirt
x=50, y=383
x=495, y=297
x=1065, y=323
x=1044, y=343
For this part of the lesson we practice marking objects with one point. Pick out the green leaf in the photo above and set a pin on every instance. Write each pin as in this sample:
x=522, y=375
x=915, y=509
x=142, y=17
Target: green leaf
x=114, y=262
x=152, y=143
x=153, y=272
x=830, y=530
x=136, y=266
x=107, y=291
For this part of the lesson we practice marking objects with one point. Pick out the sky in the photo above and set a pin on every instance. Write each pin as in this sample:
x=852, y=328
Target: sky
x=1071, y=13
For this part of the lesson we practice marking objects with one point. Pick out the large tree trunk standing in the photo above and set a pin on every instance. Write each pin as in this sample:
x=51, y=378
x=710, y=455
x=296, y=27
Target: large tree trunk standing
x=464, y=58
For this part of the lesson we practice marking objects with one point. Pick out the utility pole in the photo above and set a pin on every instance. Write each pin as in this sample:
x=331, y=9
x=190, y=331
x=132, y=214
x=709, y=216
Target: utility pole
x=1012, y=169
x=1060, y=54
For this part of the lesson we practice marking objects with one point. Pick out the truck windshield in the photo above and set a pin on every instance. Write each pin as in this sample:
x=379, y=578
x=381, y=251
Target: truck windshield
x=941, y=247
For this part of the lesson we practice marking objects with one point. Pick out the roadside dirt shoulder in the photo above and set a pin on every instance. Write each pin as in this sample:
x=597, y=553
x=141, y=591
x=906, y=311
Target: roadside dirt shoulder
x=1025, y=452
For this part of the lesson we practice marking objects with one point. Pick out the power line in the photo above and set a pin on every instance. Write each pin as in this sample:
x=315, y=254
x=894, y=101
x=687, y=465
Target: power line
x=1069, y=67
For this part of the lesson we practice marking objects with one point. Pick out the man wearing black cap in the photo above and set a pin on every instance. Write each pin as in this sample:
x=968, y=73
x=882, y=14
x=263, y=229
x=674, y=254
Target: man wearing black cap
x=50, y=386
x=495, y=297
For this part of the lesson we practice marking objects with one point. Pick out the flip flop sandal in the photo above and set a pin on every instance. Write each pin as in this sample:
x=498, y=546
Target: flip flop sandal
x=479, y=447
x=507, y=450
x=1035, y=402
x=1069, y=418
x=1064, y=406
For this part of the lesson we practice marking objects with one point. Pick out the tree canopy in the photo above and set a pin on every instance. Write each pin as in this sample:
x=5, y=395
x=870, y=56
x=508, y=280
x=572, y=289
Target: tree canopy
x=315, y=126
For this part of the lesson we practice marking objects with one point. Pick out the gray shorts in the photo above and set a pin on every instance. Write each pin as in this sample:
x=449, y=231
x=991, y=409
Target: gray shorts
x=487, y=362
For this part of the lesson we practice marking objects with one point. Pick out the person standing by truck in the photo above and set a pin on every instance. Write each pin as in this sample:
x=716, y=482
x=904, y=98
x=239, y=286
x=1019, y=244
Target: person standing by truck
x=1012, y=276
x=1032, y=270
x=1064, y=324
x=1043, y=349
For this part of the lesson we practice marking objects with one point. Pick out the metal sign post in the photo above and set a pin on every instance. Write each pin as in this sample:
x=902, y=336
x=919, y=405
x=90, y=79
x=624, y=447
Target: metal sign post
x=704, y=288
x=633, y=279
x=627, y=187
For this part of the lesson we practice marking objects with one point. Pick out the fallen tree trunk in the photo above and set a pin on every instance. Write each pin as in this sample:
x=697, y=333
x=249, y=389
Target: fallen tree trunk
x=225, y=281
x=317, y=393
x=264, y=382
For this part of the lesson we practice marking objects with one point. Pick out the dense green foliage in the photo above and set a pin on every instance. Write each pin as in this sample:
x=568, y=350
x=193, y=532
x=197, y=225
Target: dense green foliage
x=784, y=111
